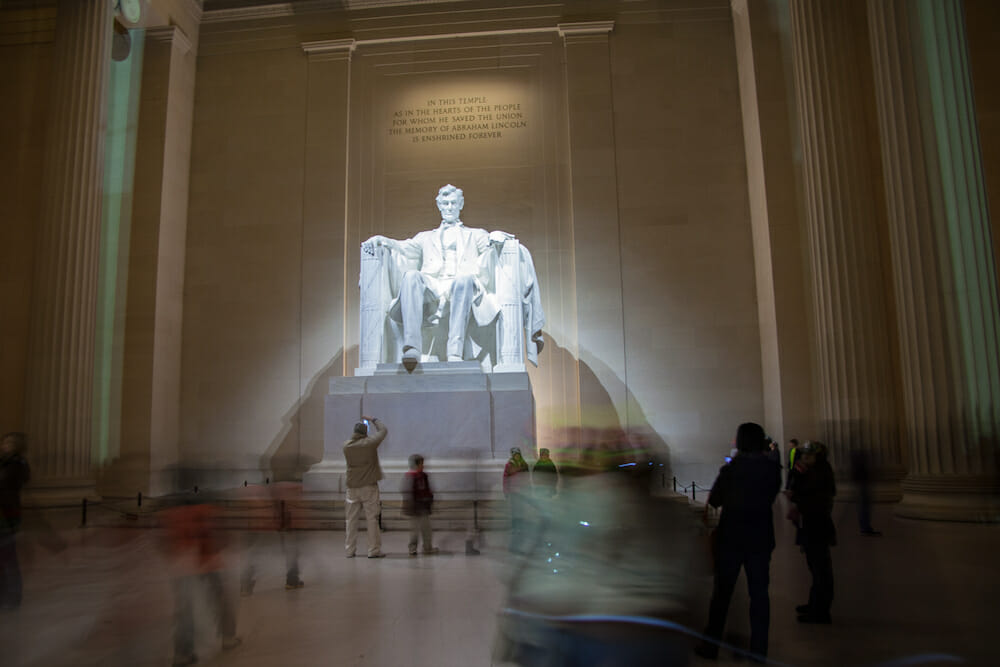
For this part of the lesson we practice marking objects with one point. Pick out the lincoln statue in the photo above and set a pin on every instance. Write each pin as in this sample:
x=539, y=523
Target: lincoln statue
x=454, y=274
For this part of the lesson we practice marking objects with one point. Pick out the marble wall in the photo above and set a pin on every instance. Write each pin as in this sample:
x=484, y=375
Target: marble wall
x=625, y=177
x=649, y=158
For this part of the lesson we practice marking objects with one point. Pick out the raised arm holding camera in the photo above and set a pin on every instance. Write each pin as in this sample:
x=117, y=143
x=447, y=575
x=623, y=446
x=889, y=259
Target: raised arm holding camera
x=363, y=475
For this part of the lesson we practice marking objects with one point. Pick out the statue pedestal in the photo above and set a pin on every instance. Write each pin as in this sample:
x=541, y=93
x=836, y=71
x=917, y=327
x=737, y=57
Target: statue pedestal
x=463, y=422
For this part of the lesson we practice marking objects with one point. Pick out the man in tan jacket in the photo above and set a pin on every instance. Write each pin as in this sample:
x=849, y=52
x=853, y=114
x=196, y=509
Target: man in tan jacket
x=363, y=474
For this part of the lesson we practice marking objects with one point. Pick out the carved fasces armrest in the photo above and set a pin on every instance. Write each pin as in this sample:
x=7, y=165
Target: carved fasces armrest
x=375, y=298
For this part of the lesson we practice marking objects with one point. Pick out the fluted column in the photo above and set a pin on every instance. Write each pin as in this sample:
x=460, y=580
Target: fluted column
x=61, y=355
x=944, y=272
x=856, y=379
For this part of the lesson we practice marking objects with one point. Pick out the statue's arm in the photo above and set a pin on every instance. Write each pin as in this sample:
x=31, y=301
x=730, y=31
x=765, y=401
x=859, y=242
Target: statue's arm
x=408, y=248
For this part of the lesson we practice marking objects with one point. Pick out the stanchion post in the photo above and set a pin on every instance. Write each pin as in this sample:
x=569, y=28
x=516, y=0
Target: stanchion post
x=83, y=512
x=138, y=499
x=694, y=490
x=475, y=514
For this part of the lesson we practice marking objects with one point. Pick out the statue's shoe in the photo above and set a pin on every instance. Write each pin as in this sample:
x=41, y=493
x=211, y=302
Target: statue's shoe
x=411, y=357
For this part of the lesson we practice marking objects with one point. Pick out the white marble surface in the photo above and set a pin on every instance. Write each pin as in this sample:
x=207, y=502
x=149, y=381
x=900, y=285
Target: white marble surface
x=463, y=422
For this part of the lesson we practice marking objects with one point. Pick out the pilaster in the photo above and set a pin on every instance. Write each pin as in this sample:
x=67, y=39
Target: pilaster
x=154, y=316
x=324, y=232
x=594, y=201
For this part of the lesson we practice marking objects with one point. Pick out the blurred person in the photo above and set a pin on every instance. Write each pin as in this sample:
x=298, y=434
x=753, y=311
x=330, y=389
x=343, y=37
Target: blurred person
x=793, y=457
x=813, y=495
x=363, y=475
x=14, y=474
x=276, y=521
x=515, y=485
x=607, y=575
x=545, y=475
x=774, y=452
x=195, y=547
x=861, y=476
x=745, y=490
x=417, y=501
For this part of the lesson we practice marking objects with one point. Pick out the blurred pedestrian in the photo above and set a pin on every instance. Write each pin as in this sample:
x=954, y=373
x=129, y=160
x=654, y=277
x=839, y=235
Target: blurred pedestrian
x=610, y=567
x=417, y=501
x=774, y=452
x=745, y=490
x=545, y=475
x=14, y=474
x=274, y=520
x=516, y=483
x=195, y=547
x=813, y=497
x=793, y=457
x=861, y=476
x=363, y=475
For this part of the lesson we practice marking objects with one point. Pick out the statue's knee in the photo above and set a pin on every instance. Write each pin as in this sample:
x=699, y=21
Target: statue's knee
x=463, y=282
x=411, y=278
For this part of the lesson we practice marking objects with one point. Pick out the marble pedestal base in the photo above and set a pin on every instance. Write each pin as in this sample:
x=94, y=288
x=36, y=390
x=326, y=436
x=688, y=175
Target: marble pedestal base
x=463, y=422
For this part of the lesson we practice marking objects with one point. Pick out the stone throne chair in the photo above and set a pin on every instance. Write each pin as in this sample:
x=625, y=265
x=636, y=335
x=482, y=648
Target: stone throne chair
x=495, y=338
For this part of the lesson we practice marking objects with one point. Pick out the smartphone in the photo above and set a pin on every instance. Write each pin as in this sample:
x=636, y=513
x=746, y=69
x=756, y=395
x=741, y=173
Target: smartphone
x=367, y=423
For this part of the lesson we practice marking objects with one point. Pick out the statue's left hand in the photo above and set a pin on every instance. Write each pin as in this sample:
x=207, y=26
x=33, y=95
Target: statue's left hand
x=537, y=339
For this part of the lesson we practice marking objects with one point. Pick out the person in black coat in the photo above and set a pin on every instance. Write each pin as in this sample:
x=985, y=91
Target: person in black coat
x=813, y=497
x=745, y=490
x=14, y=473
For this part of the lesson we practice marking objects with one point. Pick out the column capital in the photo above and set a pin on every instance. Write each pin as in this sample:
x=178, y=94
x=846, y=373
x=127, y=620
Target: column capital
x=330, y=49
x=586, y=31
x=171, y=34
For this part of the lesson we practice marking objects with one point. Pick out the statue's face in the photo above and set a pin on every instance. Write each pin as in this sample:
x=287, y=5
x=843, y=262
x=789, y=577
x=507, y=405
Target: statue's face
x=450, y=206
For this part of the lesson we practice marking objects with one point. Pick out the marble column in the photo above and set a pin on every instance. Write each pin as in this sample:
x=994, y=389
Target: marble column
x=596, y=232
x=944, y=272
x=59, y=410
x=151, y=377
x=856, y=377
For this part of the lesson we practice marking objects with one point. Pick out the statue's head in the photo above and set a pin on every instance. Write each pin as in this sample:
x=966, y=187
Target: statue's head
x=450, y=201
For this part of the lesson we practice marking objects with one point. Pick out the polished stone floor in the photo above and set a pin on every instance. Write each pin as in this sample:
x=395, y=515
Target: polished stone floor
x=103, y=597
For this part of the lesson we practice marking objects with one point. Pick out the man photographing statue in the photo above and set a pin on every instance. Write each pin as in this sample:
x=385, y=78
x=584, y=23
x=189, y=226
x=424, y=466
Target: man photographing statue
x=449, y=274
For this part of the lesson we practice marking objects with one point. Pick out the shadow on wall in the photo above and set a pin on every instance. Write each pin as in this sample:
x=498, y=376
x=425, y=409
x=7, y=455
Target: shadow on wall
x=600, y=419
x=290, y=454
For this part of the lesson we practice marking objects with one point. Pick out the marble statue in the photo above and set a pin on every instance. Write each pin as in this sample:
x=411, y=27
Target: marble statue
x=453, y=293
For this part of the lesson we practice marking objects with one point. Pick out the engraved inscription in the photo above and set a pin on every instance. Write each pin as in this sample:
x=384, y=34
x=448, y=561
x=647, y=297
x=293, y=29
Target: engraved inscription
x=474, y=118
